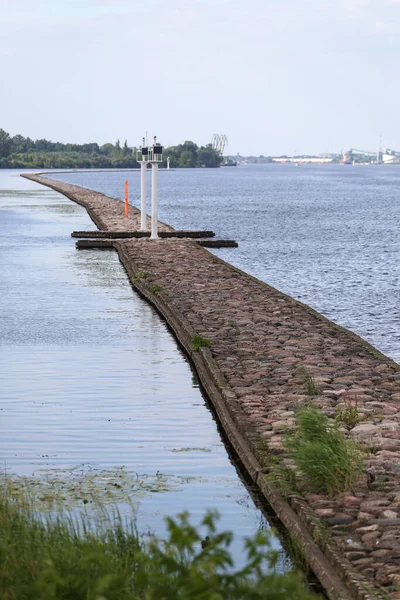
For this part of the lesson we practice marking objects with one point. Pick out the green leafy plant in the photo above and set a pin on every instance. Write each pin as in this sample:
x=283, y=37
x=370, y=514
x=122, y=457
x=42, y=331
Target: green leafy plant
x=323, y=456
x=199, y=342
x=308, y=381
x=350, y=415
x=61, y=558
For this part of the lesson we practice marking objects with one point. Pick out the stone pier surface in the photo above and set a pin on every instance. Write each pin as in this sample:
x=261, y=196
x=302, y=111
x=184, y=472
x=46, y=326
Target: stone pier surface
x=107, y=213
x=259, y=339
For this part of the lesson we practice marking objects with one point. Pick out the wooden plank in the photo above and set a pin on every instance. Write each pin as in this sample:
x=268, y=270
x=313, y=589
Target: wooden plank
x=141, y=234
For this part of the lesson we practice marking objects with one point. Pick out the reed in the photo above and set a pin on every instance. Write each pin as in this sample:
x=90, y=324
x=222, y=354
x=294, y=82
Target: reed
x=61, y=558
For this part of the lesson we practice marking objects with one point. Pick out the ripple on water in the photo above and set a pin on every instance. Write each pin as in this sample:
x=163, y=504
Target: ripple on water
x=327, y=235
x=91, y=378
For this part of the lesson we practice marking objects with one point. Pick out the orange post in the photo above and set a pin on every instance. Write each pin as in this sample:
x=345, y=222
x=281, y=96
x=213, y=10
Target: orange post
x=126, y=198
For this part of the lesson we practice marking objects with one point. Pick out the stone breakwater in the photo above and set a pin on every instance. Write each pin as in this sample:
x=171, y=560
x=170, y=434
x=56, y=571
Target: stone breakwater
x=107, y=213
x=259, y=339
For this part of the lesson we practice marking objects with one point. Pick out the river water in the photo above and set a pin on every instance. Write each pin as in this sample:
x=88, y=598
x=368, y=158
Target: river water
x=325, y=234
x=95, y=394
x=92, y=381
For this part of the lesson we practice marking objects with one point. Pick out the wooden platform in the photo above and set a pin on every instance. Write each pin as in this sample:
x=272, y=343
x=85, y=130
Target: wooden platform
x=104, y=244
x=141, y=234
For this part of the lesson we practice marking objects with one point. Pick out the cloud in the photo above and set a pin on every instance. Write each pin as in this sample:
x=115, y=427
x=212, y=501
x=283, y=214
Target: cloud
x=382, y=26
x=209, y=60
x=355, y=4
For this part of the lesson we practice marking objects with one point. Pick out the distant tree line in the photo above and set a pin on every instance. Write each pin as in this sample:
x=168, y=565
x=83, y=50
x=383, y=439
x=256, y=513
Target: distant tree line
x=18, y=152
x=190, y=155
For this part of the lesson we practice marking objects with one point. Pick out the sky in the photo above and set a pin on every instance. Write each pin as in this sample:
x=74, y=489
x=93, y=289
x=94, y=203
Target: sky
x=275, y=76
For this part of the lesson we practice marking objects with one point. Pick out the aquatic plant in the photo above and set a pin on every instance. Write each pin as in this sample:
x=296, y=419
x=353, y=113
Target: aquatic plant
x=70, y=489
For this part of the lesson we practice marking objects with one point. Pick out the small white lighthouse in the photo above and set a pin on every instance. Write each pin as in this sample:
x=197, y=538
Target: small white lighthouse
x=153, y=155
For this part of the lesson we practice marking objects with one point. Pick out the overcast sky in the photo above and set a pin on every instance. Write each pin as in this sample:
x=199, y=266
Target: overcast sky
x=276, y=76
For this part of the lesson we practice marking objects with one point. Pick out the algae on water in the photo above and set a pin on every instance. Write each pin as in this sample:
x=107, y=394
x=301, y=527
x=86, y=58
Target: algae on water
x=50, y=489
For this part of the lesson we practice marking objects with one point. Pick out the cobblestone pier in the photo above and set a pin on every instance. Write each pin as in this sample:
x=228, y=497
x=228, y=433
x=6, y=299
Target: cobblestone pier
x=259, y=340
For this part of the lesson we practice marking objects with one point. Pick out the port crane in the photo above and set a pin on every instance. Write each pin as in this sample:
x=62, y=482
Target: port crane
x=219, y=142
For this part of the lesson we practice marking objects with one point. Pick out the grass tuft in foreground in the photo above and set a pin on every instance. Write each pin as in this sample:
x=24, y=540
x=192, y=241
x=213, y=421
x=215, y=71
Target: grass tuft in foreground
x=199, y=342
x=322, y=454
x=54, y=559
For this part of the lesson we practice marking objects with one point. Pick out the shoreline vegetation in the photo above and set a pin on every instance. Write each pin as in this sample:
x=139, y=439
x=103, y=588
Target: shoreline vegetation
x=62, y=557
x=18, y=152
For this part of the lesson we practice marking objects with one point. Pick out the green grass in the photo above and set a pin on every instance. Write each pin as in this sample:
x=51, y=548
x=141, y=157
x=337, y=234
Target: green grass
x=349, y=414
x=200, y=342
x=380, y=592
x=62, y=559
x=143, y=275
x=156, y=288
x=296, y=552
x=321, y=533
x=308, y=381
x=328, y=462
x=281, y=476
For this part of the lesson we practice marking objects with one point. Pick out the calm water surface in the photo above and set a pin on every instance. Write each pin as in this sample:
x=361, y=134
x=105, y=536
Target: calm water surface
x=89, y=373
x=327, y=235
x=90, y=376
